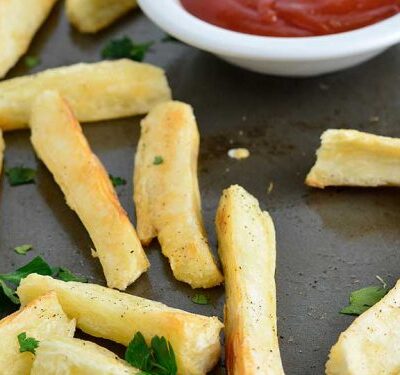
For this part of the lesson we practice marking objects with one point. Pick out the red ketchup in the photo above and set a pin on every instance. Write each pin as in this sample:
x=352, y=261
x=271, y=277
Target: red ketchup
x=292, y=18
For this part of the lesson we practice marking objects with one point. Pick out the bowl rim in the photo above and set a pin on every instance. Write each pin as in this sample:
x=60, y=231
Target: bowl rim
x=215, y=39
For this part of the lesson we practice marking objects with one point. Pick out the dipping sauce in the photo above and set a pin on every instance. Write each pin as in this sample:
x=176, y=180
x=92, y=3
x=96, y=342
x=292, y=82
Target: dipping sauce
x=292, y=18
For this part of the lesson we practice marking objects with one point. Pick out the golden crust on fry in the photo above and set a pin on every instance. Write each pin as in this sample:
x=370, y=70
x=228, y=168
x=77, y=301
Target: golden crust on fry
x=246, y=238
x=58, y=356
x=19, y=21
x=58, y=140
x=90, y=16
x=167, y=196
x=42, y=318
x=371, y=345
x=117, y=316
x=353, y=158
x=98, y=91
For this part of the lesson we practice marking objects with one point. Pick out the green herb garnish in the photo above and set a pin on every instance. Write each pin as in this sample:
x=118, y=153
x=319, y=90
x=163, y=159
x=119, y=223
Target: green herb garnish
x=200, y=299
x=37, y=265
x=20, y=176
x=23, y=249
x=361, y=300
x=117, y=181
x=156, y=359
x=158, y=160
x=32, y=61
x=65, y=274
x=27, y=344
x=125, y=48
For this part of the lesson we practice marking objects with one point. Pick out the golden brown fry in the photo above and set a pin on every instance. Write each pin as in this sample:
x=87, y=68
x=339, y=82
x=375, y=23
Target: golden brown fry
x=99, y=91
x=370, y=346
x=19, y=21
x=246, y=238
x=58, y=140
x=117, y=316
x=59, y=356
x=90, y=16
x=167, y=196
x=352, y=158
x=42, y=318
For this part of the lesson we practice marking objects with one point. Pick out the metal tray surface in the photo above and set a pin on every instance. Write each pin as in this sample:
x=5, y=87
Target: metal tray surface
x=328, y=242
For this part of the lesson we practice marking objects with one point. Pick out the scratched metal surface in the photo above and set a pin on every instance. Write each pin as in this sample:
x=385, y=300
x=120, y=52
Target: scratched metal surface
x=329, y=242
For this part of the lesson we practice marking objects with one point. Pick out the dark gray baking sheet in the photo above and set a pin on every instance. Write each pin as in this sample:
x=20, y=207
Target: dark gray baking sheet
x=329, y=242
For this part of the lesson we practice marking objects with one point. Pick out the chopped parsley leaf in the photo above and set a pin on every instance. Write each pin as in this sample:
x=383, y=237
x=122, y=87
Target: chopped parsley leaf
x=361, y=300
x=125, y=48
x=37, y=265
x=117, y=181
x=27, y=344
x=157, y=359
x=32, y=61
x=201, y=299
x=158, y=160
x=20, y=176
x=65, y=274
x=23, y=249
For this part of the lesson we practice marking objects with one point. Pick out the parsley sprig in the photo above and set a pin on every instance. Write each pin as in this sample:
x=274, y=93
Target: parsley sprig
x=361, y=300
x=156, y=359
x=20, y=175
x=27, y=344
x=125, y=48
x=10, y=281
x=117, y=181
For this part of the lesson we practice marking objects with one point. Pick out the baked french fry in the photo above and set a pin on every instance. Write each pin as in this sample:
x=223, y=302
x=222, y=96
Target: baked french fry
x=42, y=318
x=98, y=91
x=59, y=142
x=117, y=316
x=19, y=21
x=353, y=158
x=246, y=238
x=90, y=16
x=59, y=356
x=166, y=193
x=370, y=346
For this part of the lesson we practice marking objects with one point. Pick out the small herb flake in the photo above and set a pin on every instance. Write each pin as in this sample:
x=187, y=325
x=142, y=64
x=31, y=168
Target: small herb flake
x=23, y=249
x=158, y=160
x=361, y=300
x=200, y=299
x=65, y=274
x=27, y=344
x=117, y=181
x=156, y=359
x=20, y=176
x=125, y=48
x=32, y=61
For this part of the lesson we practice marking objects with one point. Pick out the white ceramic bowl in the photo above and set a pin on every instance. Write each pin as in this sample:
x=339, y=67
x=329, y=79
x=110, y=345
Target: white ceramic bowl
x=307, y=56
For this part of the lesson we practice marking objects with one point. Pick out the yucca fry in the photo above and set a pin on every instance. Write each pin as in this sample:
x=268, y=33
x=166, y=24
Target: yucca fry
x=65, y=356
x=98, y=91
x=90, y=16
x=117, y=316
x=246, y=238
x=371, y=345
x=353, y=158
x=19, y=21
x=166, y=193
x=42, y=318
x=59, y=142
